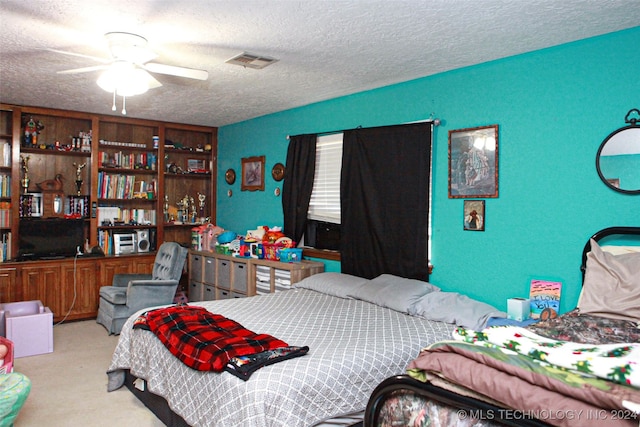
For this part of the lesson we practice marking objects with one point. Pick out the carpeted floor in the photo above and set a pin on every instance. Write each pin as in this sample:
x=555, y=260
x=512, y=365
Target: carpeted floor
x=69, y=386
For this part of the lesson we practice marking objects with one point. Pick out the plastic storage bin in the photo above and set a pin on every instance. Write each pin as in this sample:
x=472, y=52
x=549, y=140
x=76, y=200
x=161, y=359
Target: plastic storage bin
x=29, y=325
x=291, y=255
x=271, y=251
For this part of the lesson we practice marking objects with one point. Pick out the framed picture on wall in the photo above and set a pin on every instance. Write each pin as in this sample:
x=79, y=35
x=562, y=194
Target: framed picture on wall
x=474, y=215
x=252, y=174
x=473, y=162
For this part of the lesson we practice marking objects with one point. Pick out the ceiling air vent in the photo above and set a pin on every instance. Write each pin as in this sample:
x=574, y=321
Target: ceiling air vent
x=251, y=61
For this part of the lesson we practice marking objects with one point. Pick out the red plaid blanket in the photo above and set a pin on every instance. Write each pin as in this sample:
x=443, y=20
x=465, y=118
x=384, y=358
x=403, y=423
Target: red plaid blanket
x=203, y=340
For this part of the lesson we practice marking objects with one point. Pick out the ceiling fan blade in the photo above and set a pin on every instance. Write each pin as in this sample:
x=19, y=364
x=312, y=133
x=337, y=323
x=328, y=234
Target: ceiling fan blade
x=80, y=55
x=84, y=69
x=171, y=70
x=151, y=81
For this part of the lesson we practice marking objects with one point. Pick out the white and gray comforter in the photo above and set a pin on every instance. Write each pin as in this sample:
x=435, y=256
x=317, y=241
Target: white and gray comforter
x=354, y=345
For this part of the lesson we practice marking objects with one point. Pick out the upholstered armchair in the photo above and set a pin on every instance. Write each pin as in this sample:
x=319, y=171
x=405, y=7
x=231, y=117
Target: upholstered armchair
x=132, y=292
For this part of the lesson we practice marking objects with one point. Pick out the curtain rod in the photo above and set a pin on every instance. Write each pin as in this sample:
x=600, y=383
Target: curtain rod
x=435, y=121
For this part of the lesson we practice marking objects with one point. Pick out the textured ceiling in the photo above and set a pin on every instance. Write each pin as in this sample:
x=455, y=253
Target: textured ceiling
x=325, y=48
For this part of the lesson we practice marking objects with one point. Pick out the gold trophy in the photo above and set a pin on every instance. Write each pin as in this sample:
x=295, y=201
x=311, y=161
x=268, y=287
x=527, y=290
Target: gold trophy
x=24, y=182
x=79, y=176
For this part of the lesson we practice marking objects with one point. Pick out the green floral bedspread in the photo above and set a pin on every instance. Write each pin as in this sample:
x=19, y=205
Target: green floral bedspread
x=619, y=363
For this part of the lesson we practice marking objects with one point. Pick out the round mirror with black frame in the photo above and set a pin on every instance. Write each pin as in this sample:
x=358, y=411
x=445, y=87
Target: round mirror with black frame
x=618, y=158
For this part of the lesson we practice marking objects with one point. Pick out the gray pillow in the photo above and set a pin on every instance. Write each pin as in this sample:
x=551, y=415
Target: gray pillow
x=336, y=284
x=396, y=293
x=452, y=307
x=611, y=285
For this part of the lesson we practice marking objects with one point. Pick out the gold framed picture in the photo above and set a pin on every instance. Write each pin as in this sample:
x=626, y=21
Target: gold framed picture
x=252, y=173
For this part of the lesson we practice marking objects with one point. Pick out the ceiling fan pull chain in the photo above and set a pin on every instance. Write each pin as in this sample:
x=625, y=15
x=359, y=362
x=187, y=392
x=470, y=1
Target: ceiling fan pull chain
x=124, y=102
x=113, y=108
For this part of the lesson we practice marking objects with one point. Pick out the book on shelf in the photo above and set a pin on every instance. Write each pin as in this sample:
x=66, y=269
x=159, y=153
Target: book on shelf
x=5, y=185
x=105, y=241
x=115, y=186
x=5, y=153
x=123, y=160
x=544, y=296
x=5, y=214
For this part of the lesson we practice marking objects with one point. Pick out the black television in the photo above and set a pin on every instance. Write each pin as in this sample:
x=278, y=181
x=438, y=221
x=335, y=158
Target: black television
x=50, y=238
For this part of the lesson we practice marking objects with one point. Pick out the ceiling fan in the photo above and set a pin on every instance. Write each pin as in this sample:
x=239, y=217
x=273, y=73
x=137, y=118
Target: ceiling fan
x=128, y=71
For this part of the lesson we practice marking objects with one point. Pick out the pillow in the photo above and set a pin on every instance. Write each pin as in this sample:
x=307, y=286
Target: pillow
x=336, y=284
x=396, y=293
x=452, y=307
x=611, y=285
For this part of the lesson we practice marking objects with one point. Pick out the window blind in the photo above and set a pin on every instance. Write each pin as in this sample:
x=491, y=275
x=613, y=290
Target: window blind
x=325, y=196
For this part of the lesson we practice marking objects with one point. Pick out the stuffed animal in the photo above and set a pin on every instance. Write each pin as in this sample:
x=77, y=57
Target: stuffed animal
x=271, y=235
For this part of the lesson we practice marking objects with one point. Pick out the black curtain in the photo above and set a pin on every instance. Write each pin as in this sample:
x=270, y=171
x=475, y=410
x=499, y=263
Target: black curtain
x=385, y=201
x=298, y=184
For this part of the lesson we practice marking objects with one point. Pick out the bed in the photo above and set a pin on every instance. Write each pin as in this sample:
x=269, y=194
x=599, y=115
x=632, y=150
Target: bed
x=358, y=333
x=579, y=369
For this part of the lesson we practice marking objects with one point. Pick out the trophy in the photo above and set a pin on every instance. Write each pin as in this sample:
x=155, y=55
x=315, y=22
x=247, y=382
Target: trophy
x=185, y=209
x=165, y=208
x=181, y=207
x=24, y=182
x=201, y=199
x=193, y=210
x=79, y=176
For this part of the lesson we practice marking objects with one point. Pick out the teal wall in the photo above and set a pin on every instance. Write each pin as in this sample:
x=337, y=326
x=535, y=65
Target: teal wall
x=554, y=107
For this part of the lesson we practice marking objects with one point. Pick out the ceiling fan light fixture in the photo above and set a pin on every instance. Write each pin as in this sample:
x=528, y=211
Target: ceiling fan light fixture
x=124, y=79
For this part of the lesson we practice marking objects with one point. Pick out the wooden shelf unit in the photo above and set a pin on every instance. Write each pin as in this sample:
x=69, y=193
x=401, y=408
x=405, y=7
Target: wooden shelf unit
x=111, y=136
x=55, y=282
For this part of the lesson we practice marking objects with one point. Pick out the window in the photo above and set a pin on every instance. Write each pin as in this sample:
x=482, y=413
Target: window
x=323, y=226
x=325, y=196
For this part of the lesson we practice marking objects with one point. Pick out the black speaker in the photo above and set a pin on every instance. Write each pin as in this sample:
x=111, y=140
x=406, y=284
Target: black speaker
x=143, y=243
x=152, y=239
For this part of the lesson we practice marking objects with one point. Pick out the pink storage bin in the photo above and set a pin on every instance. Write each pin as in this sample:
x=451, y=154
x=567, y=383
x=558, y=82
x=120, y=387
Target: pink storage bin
x=29, y=325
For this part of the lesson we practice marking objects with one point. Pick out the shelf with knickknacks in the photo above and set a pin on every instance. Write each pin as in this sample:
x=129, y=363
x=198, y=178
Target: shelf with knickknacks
x=185, y=211
x=46, y=201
